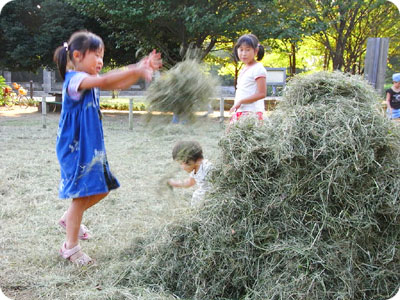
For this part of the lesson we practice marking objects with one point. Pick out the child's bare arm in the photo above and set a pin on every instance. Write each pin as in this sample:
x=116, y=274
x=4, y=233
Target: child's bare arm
x=117, y=79
x=182, y=183
x=122, y=79
x=388, y=101
x=153, y=61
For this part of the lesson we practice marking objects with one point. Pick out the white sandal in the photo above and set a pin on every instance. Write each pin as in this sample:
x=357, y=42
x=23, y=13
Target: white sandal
x=83, y=231
x=82, y=260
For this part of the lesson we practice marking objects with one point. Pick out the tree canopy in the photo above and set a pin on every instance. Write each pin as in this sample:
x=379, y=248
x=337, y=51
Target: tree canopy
x=348, y=26
x=174, y=26
x=30, y=30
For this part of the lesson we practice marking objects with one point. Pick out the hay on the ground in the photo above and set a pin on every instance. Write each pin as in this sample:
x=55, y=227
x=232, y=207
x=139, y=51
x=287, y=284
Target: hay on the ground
x=305, y=206
x=183, y=90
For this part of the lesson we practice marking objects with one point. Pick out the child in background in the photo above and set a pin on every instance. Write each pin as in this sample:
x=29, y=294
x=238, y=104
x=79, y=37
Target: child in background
x=189, y=155
x=393, y=98
x=85, y=173
x=251, y=84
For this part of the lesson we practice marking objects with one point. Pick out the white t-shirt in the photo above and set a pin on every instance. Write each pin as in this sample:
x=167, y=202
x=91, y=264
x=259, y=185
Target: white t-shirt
x=247, y=86
x=74, y=84
x=202, y=184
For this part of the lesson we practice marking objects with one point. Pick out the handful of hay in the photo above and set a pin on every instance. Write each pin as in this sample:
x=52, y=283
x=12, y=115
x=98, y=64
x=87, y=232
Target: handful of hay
x=183, y=90
x=305, y=206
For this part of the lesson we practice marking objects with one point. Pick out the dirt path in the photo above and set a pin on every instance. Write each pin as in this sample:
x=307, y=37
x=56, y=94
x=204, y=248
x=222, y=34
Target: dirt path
x=16, y=111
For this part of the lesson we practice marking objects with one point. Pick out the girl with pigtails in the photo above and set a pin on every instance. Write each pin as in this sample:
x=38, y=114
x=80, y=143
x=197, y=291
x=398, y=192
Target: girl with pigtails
x=85, y=173
x=251, y=85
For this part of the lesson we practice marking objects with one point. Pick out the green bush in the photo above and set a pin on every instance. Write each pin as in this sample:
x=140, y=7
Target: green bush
x=5, y=92
x=122, y=106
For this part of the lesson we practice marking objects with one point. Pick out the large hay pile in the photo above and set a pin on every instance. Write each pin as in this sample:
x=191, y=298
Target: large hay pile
x=304, y=207
x=184, y=89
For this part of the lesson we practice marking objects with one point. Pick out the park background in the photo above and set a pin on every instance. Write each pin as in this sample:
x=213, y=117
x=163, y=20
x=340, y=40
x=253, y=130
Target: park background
x=302, y=36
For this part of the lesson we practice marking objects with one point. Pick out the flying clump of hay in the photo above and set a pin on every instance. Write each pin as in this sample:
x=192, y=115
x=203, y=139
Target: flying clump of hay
x=184, y=89
x=305, y=206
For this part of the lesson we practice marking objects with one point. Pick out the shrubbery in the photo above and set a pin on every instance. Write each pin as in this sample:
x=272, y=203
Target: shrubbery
x=123, y=106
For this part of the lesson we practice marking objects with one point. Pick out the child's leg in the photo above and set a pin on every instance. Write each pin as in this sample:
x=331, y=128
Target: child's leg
x=83, y=231
x=74, y=216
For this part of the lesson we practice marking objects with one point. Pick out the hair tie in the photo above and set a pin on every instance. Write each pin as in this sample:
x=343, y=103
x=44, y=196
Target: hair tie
x=66, y=46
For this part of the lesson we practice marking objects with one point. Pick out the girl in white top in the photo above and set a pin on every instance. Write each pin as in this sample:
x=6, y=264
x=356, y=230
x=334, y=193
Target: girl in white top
x=251, y=85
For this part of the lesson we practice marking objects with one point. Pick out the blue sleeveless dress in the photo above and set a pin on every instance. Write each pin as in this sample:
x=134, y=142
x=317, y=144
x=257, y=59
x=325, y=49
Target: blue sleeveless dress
x=80, y=146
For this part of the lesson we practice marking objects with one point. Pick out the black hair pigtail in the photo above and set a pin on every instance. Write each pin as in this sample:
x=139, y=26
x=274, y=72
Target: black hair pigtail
x=260, y=53
x=235, y=54
x=61, y=59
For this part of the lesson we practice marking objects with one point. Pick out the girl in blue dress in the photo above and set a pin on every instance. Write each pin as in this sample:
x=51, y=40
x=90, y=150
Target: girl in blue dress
x=85, y=173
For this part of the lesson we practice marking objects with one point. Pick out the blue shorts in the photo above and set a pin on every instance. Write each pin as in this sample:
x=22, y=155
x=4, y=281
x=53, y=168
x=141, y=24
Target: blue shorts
x=394, y=115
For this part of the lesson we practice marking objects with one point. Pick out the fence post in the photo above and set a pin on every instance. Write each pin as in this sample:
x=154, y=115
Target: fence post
x=130, y=113
x=46, y=80
x=7, y=77
x=31, y=88
x=221, y=109
x=44, y=112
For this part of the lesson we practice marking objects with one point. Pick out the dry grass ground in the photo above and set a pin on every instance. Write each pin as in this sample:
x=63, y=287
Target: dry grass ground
x=30, y=267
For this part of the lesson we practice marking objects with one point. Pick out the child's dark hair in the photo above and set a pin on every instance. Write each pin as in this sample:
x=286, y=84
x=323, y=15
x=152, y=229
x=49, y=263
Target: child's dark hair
x=250, y=40
x=186, y=151
x=81, y=41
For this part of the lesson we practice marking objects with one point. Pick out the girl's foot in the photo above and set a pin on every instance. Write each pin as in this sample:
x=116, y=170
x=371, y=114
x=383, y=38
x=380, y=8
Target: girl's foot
x=75, y=255
x=83, y=231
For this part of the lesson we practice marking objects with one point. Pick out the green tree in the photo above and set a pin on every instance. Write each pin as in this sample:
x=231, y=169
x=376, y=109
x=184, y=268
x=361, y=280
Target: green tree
x=174, y=26
x=291, y=23
x=18, y=23
x=30, y=31
x=281, y=26
x=349, y=23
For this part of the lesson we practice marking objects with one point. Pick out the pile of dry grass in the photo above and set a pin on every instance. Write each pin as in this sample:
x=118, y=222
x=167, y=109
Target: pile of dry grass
x=184, y=89
x=305, y=206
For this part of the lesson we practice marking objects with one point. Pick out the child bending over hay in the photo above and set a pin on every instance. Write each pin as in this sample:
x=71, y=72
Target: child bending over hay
x=190, y=156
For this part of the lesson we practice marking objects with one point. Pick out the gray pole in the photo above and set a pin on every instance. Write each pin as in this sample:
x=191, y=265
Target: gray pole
x=221, y=109
x=46, y=81
x=376, y=61
x=44, y=112
x=31, y=88
x=130, y=114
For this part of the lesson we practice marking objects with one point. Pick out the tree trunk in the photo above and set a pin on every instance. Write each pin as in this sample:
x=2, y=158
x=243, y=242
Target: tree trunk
x=209, y=47
x=326, y=59
x=293, y=66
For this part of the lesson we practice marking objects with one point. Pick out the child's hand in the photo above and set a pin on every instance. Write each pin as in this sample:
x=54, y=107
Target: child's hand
x=149, y=64
x=169, y=184
x=235, y=107
x=155, y=60
x=145, y=69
